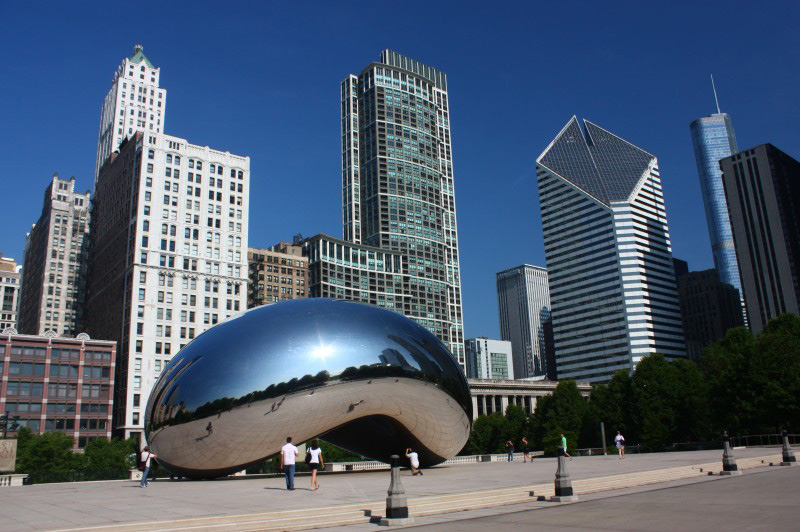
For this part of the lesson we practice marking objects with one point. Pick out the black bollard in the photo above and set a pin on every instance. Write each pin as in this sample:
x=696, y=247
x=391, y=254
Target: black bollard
x=729, y=466
x=396, y=502
x=787, y=455
x=564, y=491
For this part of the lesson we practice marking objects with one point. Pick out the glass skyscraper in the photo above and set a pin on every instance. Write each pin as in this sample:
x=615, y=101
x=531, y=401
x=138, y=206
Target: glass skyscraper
x=397, y=185
x=713, y=139
x=613, y=294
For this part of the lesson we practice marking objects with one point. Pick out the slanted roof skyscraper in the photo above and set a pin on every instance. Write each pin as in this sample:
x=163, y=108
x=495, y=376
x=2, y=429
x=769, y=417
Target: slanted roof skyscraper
x=612, y=285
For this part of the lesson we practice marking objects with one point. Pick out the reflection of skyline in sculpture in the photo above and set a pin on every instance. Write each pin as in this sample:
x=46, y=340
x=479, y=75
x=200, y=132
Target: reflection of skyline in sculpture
x=363, y=378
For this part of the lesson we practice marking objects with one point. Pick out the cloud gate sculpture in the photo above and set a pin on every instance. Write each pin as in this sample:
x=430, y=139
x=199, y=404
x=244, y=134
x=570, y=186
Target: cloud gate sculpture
x=360, y=377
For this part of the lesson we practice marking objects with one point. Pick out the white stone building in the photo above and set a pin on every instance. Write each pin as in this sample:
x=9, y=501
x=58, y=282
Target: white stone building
x=134, y=103
x=9, y=292
x=489, y=359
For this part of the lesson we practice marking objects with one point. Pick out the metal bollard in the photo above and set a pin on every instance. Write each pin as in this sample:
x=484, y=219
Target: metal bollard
x=396, y=502
x=729, y=466
x=787, y=455
x=564, y=491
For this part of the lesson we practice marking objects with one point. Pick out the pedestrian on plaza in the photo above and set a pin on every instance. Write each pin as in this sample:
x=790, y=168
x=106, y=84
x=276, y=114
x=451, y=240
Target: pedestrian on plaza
x=146, y=457
x=526, y=450
x=414, y=459
x=510, y=447
x=209, y=428
x=564, y=446
x=619, y=441
x=315, y=462
x=288, y=454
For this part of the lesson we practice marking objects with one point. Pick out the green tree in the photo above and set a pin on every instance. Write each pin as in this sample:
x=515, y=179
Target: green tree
x=516, y=425
x=776, y=369
x=732, y=390
x=655, y=391
x=51, y=451
x=109, y=455
x=563, y=412
x=489, y=434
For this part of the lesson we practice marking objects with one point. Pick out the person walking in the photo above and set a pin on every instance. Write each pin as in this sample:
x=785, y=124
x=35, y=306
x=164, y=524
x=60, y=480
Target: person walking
x=414, y=459
x=619, y=441
x=209, y=428
x=288, y=454
x=564, y=446
x=315, y=462
x=510, y=447
x=146, y=457
x=526, y=450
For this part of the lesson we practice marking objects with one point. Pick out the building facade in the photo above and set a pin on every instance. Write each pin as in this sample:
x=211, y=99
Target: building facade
x=134, y=103
x=276, y=274
x=713, y=139
x=58, y=384
x=355, y=272
x=709, y=308
x=612, y=285
x=762, y=188
x=489, y=359
x=10, y=278
x=397, y=183
x=490, y=396
x=169, y=256
x=56, y=252
x=523, y=300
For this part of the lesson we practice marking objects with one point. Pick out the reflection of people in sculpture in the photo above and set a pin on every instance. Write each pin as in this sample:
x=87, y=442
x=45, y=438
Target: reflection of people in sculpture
x=414, y=459
x=315, y=462
x=209, y=428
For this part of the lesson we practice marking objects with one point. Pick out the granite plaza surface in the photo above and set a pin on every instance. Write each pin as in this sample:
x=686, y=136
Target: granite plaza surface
x=92, y=504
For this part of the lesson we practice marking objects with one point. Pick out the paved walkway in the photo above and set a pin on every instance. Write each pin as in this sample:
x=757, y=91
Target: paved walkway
x=81, y=505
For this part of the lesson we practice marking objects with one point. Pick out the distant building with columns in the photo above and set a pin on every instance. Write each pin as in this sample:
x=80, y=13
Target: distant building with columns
x=492, y=395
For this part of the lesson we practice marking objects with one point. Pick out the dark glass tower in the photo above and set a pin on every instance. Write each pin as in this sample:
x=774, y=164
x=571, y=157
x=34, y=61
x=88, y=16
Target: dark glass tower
x=397, y=184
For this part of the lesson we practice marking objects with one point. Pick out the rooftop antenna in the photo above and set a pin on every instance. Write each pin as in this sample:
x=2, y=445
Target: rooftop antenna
x=714, y=88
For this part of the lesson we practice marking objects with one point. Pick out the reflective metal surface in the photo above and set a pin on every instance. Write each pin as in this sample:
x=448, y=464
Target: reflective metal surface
x=363, y=378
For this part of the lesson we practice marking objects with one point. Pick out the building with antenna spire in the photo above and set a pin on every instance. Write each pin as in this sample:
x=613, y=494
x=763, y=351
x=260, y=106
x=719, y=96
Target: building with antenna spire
x=713, y=139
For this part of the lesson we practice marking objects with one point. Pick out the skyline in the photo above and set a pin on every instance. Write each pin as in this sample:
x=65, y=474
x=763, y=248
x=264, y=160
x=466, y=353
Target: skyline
x=56, y=130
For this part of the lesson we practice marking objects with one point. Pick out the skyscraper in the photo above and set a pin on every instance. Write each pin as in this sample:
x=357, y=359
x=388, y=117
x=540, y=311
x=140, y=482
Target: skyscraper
x=489, y=359
x=397, y=183
x=9, y=292
x=762, y=187
x=713, y=139
x=54, y=276
x=612, y=285
x=134, y=103
x=524, y=304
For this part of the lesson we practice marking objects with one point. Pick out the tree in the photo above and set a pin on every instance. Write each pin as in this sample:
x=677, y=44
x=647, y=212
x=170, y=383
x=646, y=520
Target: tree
x=727, y=366
x=105, y=455
x=562, y=412
x=655, y=391
x=489, y=434
x=516, y=424
x=51, y=451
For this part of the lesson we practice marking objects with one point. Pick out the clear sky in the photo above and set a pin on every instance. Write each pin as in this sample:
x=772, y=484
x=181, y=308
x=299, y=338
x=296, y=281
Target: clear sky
x=262, y=79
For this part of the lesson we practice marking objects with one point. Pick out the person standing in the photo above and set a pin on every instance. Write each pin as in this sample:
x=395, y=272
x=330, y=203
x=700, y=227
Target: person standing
x=564, y=446
x=526, y=450
x=414, y=459
x=510, y=447
x=315, y=462
x=288, y=454
x=619, y=441
x=146, y=457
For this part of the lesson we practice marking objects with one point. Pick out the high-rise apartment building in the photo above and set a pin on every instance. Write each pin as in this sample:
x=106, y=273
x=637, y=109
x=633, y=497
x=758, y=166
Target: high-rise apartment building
x=713, y=139
x=54, y=274
x=489, y=359
x=355, y=272
x=613, y=294
x=523, y=300
x=276, y=274
x=762, y=188
x=134, y=103
x=169, y=256
x=9, y=292
x=397, y=183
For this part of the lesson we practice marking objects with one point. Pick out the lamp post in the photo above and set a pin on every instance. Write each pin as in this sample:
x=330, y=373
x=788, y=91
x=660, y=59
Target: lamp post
x=8, y=423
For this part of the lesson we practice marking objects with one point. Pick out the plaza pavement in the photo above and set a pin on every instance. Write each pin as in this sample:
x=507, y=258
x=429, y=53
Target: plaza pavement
x=343, y=498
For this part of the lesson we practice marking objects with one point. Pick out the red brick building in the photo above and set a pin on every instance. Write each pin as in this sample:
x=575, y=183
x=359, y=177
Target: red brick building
x=58, y=384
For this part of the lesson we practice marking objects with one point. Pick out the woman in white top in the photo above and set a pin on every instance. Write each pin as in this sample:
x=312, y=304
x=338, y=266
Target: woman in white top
x=315, y=462
x=619, y=441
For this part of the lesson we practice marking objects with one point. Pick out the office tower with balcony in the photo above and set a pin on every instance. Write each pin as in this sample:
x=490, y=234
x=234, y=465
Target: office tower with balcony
x=613, y=294
x=397, y=184
x=135, y=102
x=54, y=273
x=762, y=188
x=523, y=301
x=713, y=139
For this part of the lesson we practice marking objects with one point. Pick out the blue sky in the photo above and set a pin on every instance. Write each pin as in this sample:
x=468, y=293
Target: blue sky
x=262, y=79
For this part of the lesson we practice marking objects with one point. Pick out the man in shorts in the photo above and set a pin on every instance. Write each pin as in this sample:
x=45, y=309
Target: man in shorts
x=414, y=459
